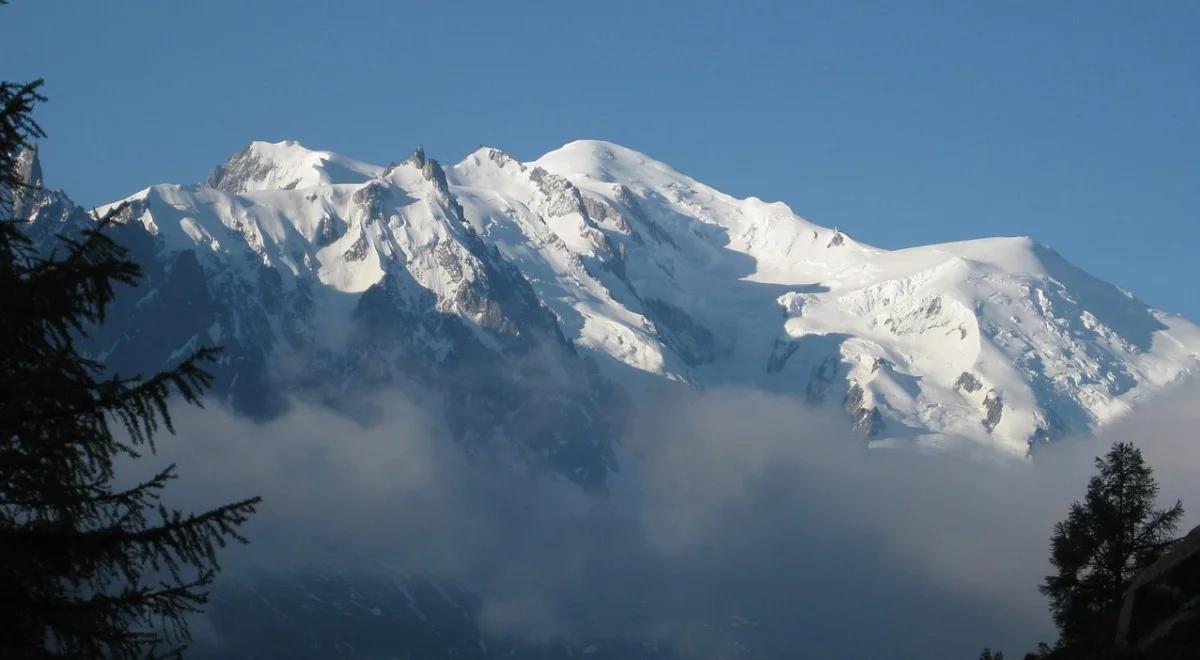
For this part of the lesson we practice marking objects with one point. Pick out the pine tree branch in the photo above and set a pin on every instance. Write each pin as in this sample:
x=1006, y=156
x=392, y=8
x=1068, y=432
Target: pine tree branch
x=1164, y=521
x=98, y=495
x=229, y=515
x=115, y=394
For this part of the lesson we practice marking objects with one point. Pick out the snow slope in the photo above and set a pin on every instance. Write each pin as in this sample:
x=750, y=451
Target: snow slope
x=999, y=340
x=655, y=276
x=340, y=288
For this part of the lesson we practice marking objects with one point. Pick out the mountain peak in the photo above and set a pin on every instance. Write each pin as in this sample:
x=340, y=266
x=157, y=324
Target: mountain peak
x=418, y=157
x=284, y=166
x=597, y=159
x=29, y=167
x=29, y=179
x=493, y=154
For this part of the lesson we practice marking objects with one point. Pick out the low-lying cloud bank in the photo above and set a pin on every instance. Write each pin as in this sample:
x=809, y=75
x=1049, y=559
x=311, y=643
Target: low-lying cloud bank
x=741, y=523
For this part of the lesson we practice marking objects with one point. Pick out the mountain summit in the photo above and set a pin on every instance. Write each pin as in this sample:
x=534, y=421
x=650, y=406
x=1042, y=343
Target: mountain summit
x=532, y=298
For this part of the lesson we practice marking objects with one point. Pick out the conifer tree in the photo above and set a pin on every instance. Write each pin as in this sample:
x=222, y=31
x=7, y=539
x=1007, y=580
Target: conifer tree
x=1104, y=542
x=87, y=569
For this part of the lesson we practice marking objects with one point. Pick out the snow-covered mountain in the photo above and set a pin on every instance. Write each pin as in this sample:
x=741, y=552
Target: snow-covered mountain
x=999, y=340
x=520, y=293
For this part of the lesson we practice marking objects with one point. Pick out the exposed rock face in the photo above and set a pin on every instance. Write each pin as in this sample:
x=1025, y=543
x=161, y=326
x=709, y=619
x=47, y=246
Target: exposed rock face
x=357, y=250
x=823, y=376
x=694, y=343
x=417, y=158
x=968, y=382
x=29, y=167
x=563, y=198
x=1160, y=615
x=29, y=176
x=603, y=211
x=327, y=232
x=994, y=407
x=235, y=175
x=780, y=352
x=507, y=399
x=866, y=419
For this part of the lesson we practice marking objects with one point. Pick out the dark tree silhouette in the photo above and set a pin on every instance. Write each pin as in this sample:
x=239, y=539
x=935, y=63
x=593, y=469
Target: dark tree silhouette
x=1104, y=542
x=87, y=569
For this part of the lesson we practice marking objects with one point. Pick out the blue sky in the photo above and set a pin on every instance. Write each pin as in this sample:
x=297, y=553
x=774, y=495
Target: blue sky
x=902, y=123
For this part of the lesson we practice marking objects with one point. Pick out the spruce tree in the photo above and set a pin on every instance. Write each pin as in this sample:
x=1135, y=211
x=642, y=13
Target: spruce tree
x=1104, y=542
x=87, y=569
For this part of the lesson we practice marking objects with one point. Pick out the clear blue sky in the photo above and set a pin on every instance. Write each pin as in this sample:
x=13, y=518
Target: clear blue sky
x=1075, y=122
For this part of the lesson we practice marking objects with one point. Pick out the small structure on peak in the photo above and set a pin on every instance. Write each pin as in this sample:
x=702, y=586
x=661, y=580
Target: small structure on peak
x=418, y=157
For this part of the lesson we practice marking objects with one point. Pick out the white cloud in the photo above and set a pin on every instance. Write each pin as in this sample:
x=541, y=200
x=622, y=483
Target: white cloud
x=732, y=509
